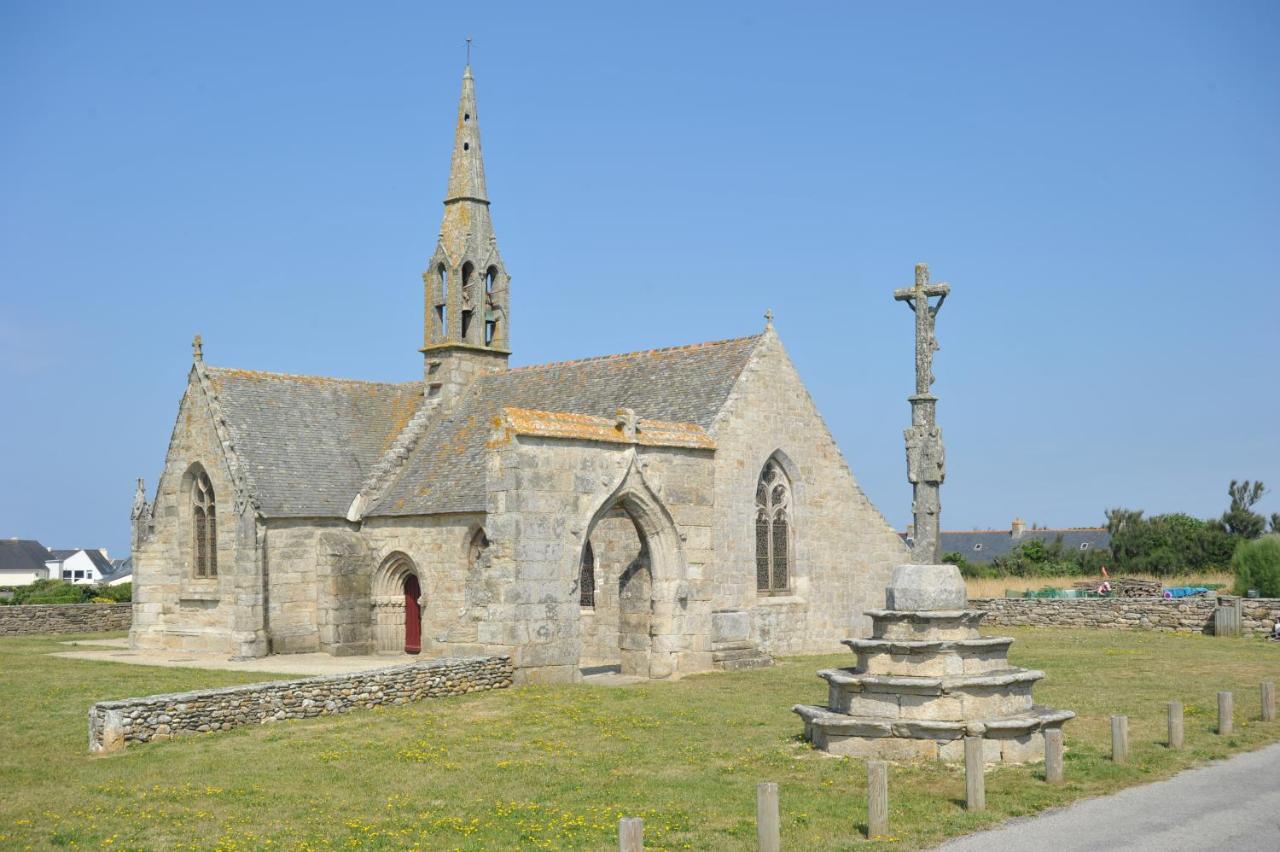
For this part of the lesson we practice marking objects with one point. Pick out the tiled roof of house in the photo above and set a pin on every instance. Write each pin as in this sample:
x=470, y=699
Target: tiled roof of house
x=982, y=546
x=684, y=384
x=22, y=554
x=308, y=441
x=102, y=563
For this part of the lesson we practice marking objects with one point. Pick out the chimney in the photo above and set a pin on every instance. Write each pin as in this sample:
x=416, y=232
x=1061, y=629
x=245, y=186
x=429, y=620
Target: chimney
x=1018, y=526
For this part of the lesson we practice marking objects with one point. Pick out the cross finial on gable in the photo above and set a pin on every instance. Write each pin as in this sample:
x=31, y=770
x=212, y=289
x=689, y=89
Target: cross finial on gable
x=197, y=348
x=768, y=317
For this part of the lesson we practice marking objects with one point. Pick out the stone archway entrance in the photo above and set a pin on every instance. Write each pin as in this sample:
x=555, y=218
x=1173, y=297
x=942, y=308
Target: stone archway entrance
x=617, y=595
x=397, y=606
x=412, y=616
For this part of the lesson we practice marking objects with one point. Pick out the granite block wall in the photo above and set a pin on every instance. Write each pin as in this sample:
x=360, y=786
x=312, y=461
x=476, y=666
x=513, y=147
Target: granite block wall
x=115, y=724
x=32, y=619
x=1188, y=615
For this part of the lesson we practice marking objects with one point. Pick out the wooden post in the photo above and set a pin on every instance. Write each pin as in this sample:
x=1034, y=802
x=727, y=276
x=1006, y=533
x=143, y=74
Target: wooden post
x=768, y=827
x=877, y=798
x=631, y=834
x=1268, y=701
x=1053, y=755
x=975, y=783
x=1119, y=739
x=1175, y=724
x=1224, y=713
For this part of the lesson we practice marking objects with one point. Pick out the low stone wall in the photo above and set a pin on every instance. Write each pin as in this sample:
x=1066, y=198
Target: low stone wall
x=28, y=620
x=1188, y=615
x=115, y=724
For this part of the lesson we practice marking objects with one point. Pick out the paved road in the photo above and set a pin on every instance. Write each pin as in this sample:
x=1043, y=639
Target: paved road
x=1232, y=805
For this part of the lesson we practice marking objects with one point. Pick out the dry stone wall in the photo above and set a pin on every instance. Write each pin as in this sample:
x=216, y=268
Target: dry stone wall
x=115, y=724
x=1188, y=615
x=28, y=620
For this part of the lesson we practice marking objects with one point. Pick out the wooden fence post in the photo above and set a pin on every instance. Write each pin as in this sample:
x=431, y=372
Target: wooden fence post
x=1175, y=724
x=1225, y=709
x=877, y=798
x=631, y=834
x=975, y=783
x=1053, y=755
x=768, y=828
x=1268, y=701
x=1119, y=739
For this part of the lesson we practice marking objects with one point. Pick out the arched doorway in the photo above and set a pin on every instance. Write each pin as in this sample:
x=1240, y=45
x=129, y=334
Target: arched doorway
x=617, y=615
x=397, y=606
x=412, y=616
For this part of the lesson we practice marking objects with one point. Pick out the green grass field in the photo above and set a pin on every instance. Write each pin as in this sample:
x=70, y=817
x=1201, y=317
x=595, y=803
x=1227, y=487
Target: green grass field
x=555, y=767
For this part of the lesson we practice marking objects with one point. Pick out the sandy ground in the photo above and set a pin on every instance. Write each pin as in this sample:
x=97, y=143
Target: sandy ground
x=118, y=651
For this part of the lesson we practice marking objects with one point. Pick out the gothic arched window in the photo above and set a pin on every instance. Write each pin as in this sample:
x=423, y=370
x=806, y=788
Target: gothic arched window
x=204, y=526
x=476, y=547
x=587, y=578
x=773, y=529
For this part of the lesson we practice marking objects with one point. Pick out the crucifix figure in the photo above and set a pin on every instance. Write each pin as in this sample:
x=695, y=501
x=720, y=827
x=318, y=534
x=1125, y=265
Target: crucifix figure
x=917, y=298
x=925, y=459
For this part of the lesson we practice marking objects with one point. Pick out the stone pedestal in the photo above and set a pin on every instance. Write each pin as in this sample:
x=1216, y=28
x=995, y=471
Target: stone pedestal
x=927, y=679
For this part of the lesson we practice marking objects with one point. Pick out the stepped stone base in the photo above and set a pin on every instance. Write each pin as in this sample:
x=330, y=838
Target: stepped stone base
x=926, y=680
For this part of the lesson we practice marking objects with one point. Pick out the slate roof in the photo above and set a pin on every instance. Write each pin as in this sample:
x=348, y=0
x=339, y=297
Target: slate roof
x=306, y=441
x=22, y=554
x=102, y=563
x=683, y=384
x=982, y=546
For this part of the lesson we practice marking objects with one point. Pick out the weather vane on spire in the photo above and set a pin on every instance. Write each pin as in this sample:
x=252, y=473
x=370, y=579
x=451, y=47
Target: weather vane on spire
x=468, y=50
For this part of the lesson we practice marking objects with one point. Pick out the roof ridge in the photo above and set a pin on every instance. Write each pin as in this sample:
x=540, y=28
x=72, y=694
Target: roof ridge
x=619, y=355
x=1025, y=531
x=275, y=375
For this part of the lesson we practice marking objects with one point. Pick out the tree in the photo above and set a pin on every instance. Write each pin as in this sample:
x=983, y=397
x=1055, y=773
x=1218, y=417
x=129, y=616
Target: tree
x=1257, y=566
x=1240, y=520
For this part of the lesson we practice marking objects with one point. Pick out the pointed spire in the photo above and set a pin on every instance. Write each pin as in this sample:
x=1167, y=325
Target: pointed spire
x=466, y=173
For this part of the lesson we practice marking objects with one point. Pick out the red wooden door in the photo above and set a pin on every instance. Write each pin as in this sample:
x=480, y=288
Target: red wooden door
x=412, y=616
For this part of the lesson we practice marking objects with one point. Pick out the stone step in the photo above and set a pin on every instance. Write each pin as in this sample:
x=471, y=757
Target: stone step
x=745, y=645
x=1011, y=738
x=931, y=657
x=926, y=625
x=758, y=662
x=949, y=698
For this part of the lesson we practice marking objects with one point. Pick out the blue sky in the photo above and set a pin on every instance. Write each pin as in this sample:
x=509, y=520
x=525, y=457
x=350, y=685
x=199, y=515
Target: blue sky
x=1099, y=182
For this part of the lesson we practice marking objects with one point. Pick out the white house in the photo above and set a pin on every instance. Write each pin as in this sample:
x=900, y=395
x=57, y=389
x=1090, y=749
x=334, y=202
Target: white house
x=83, y=567
x=23, y=561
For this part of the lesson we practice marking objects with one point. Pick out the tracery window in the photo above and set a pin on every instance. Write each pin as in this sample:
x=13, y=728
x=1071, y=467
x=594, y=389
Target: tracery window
x=773, y=529
x=587, y=578
x=204, y=526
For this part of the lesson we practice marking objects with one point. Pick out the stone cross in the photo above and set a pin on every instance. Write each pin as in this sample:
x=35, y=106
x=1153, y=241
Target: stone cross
x=917, y=298
x=197, y=348
x=926, y=467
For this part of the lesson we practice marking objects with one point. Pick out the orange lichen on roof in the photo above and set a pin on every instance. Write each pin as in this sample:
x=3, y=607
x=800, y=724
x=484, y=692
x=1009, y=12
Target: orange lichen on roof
x=587, y=427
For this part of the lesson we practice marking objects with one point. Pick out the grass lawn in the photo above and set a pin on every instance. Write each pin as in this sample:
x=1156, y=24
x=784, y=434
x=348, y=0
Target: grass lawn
x=555, y=767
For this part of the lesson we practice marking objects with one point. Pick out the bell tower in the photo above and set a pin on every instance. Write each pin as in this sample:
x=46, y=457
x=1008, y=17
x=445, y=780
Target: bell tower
x=466, y=329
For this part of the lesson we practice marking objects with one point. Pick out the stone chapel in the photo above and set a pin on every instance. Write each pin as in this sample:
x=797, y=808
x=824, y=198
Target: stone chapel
x=664, y=512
